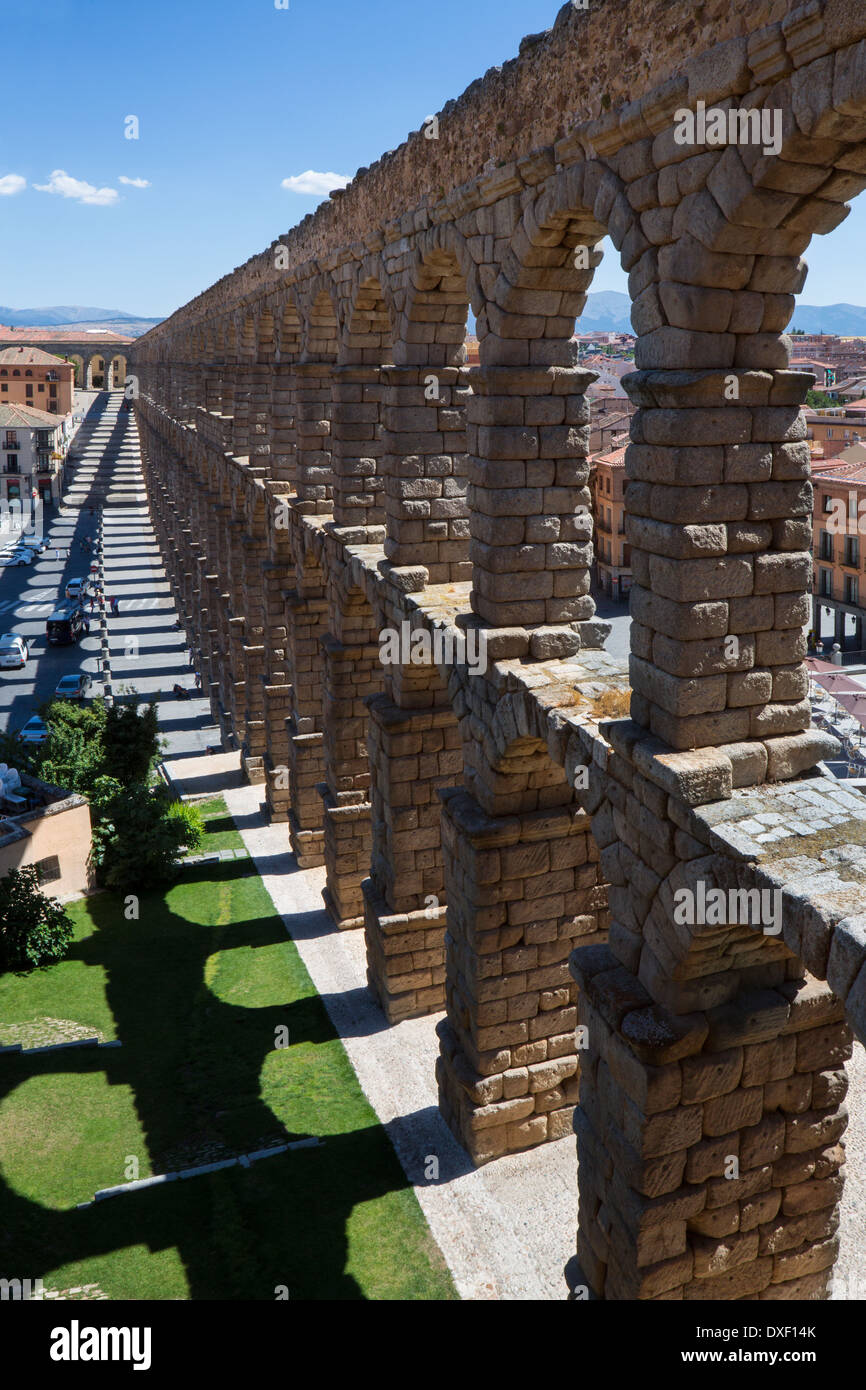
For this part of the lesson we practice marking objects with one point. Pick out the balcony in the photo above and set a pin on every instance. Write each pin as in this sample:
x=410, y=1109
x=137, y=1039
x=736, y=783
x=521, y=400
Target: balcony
x=11, y=468
x=11, y=444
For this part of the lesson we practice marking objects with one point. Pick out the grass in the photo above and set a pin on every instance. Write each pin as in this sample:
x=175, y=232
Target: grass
x=220, y=832
x=197, y=989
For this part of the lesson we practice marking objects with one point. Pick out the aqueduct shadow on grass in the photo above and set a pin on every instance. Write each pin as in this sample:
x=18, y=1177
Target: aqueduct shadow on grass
x=198, y=1070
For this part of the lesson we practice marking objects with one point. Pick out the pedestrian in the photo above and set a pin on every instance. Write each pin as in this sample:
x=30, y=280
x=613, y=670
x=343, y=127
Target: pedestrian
x=115, y=606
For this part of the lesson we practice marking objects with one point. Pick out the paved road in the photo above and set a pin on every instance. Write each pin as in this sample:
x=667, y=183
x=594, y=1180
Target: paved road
x=147, y=652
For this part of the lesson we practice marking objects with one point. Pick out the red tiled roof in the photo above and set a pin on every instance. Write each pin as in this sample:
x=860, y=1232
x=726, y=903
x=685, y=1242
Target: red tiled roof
x=26, y=417
x=30, y=357
x=614, y=457
x=60, y=335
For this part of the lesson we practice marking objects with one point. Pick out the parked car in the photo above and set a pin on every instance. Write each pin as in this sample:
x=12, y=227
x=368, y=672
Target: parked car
x=79, y=588
x=21, y=555
x=14, y=650
x=74, y=687
x=34, y=731
x=37, y=543
x=66, y=624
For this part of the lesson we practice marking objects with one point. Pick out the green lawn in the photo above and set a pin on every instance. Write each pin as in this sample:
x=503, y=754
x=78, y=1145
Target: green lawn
x=196, y=990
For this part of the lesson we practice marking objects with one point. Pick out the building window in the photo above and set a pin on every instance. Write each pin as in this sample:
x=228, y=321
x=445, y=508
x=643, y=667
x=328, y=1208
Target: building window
x=48, y=870
x=828, y=503
x=826, y=546
x=11, y=463
x=827, y=583
x=28, y=391
x=851, y=589
x=852, y=552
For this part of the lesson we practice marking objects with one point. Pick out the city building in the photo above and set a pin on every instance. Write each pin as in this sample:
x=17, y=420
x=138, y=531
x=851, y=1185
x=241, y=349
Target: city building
x=48, y=828
x=833, y=429
x=612, y=551
x=29, y=376
x=99, y=357
x=33, y=445
x=609, y=422
x=823, y=372
x=839, y=542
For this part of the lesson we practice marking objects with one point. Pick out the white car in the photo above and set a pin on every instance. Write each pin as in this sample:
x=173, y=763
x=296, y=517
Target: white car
x=22, y=555
x=77, y=589
x=14, y=650
x=34, y=731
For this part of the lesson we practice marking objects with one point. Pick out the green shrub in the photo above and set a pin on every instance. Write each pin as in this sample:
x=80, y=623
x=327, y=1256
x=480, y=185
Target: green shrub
x=137, y=835
x=192, y=818
x=34, y=929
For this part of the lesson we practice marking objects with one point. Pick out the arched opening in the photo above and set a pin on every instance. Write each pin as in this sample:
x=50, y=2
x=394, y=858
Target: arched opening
x=357, y=408
x=426, y=463
x=283, y=439
x=313, y=386
x=77, y=361
x=119, y=369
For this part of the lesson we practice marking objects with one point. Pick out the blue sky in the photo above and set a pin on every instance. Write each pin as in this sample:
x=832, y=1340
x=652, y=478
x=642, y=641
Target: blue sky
x=232, y=97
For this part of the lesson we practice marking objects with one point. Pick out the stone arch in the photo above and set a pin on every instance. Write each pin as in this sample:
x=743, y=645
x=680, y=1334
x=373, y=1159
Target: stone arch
x=357, y=410
x=77, y=360
x=321, y=335
x=548, y=265
x=717, y=296
x=370, y=319
x=289, y=320
x=425, y=460
x=120, y=367
x=442, y=284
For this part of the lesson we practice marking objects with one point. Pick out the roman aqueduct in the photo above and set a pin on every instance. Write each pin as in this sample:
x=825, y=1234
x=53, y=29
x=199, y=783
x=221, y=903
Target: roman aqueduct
x=322, y=466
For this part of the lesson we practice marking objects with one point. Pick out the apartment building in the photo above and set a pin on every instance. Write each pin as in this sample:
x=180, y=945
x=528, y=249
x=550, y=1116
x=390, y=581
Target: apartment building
x=31, y=377
x=839, y=542
x=836, y=428
x=612, y=551
x=33, y=446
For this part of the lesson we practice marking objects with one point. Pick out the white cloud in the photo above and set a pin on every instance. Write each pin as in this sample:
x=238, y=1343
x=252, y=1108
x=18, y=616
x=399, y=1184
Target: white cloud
x=11, y=183
x=315, y=183
x=134, y=183
x=68, y=187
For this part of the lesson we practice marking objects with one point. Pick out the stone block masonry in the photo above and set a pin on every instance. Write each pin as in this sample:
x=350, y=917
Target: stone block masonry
x=323, y=465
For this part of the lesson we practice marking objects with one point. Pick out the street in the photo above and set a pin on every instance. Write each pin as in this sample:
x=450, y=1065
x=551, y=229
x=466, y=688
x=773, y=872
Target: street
x=148, y=654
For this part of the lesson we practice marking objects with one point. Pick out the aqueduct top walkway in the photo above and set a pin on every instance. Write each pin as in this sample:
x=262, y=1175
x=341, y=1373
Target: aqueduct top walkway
x=323, y=466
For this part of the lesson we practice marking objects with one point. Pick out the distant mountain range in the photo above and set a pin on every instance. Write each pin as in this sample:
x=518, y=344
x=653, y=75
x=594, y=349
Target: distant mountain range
x=81, y=316
x=610, y=312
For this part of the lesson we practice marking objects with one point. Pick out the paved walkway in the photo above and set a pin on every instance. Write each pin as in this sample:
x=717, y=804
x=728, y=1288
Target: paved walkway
x=505, y=1230
x=147, y=650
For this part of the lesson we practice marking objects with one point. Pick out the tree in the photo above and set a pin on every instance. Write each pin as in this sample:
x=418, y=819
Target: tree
x=34, y=929
x=819, y=400
x=73, y=756
x=137, y=834
x=131, y=743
